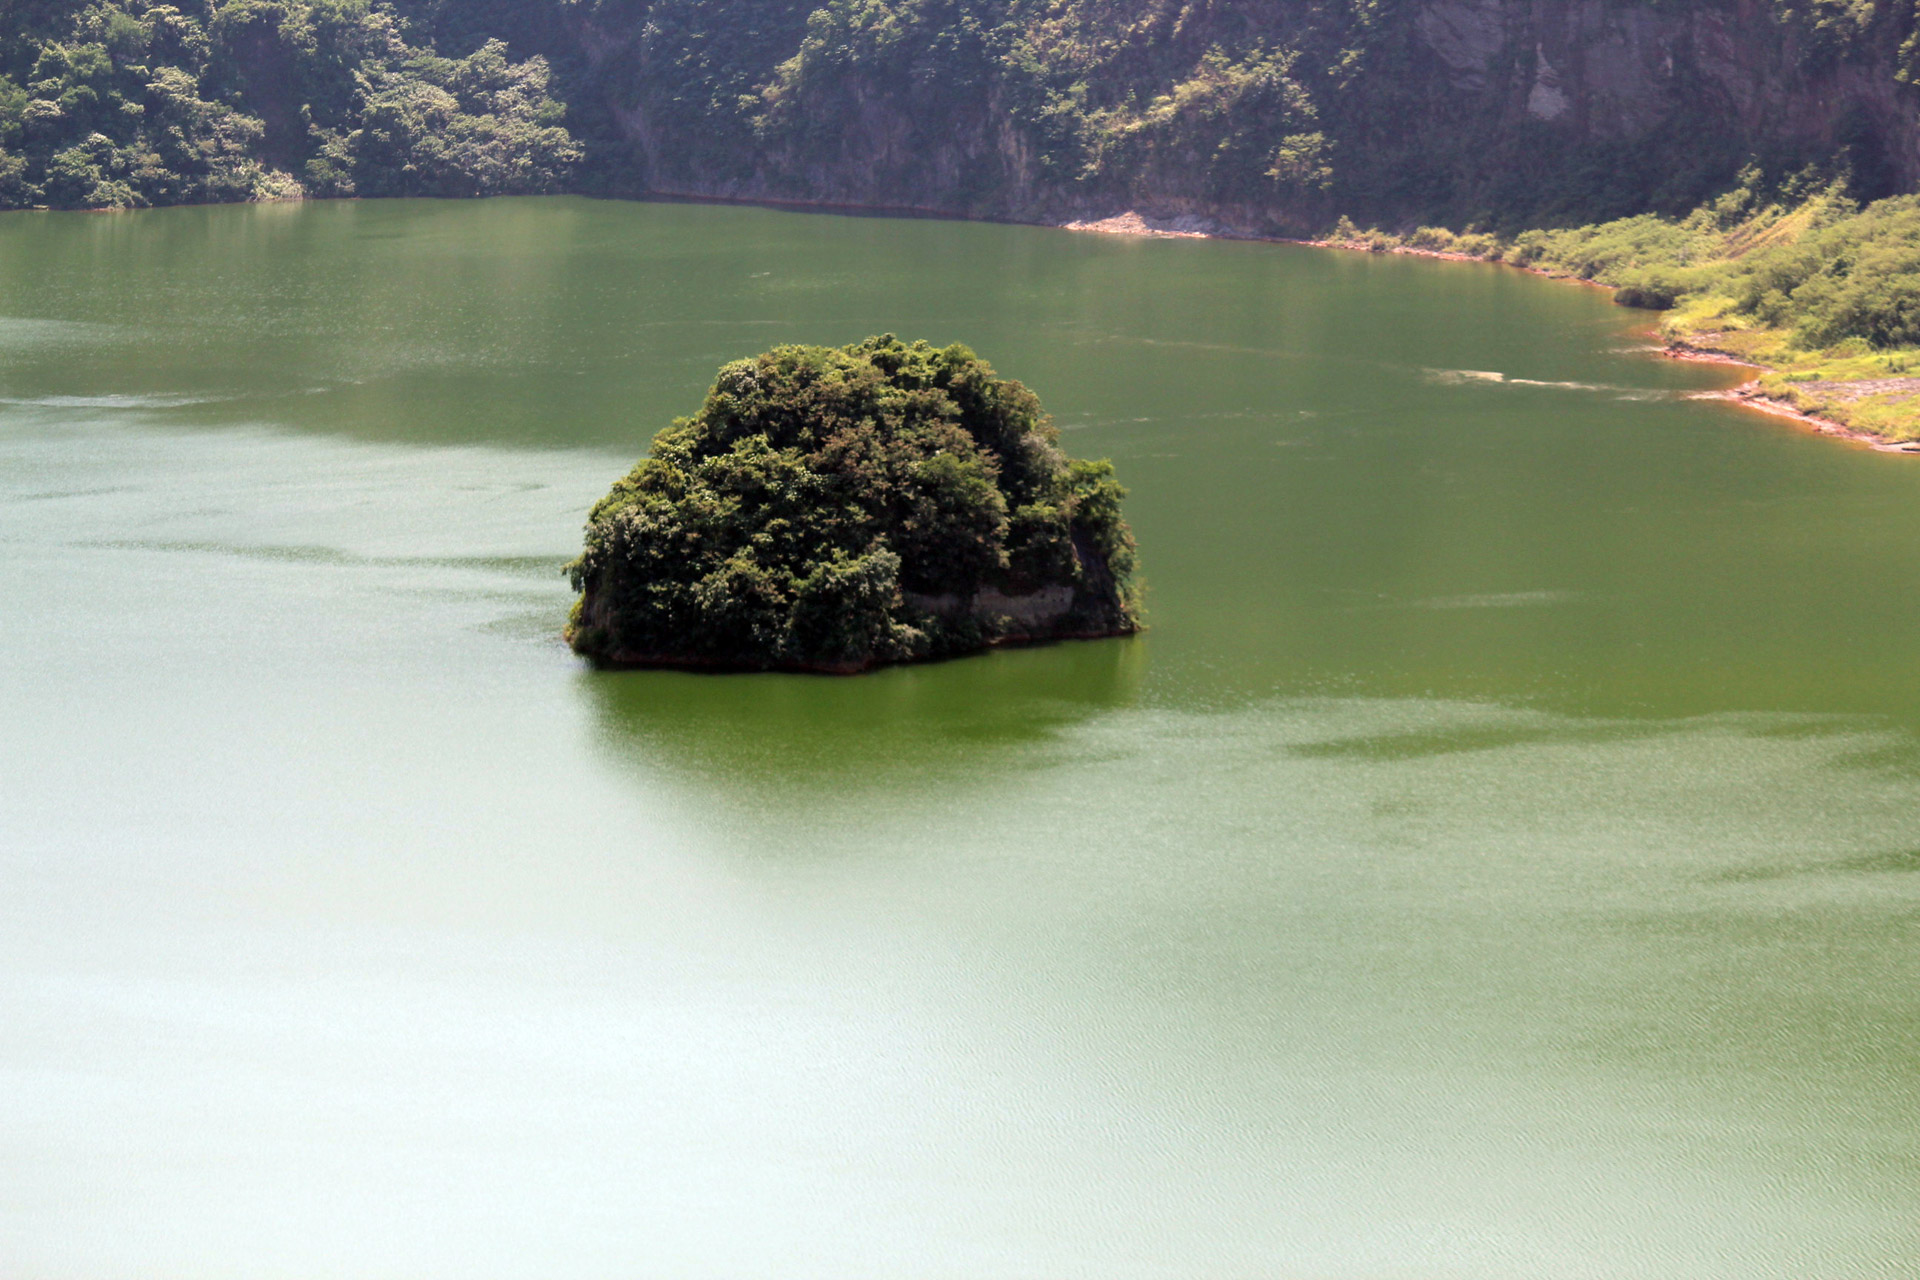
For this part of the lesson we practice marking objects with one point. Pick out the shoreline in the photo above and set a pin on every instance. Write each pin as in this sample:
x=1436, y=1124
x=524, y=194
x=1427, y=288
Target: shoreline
x=1750, y=395
x=1192, y=227
x=1747, y=395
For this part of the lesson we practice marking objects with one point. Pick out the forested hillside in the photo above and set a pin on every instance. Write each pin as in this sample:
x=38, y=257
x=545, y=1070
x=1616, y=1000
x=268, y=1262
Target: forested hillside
x=121, y=103
x=1256, y=115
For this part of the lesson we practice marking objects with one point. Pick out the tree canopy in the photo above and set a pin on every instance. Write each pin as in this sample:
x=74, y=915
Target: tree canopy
x=834, y=508
x=122, y=103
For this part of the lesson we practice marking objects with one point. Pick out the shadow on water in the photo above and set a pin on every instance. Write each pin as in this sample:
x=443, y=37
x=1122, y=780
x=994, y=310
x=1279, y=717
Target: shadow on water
x=1422, y=744
x=1890, y=861
x=829, y=736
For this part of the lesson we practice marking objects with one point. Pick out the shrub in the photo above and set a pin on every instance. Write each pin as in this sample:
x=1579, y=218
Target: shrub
x=1646, y=295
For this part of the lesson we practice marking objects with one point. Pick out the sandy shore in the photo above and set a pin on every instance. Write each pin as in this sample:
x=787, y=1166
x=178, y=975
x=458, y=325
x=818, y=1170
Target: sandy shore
x=1134, y=224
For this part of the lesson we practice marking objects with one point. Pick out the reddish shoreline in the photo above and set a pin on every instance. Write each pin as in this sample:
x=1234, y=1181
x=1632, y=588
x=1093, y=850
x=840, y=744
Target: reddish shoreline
x=1748, y=394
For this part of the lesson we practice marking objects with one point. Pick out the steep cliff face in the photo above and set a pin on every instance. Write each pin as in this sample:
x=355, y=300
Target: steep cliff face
x=1741, y=72
x=1257, y=115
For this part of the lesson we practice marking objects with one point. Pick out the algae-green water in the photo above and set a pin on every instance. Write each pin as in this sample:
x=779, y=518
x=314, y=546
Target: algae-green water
x=1499, y=860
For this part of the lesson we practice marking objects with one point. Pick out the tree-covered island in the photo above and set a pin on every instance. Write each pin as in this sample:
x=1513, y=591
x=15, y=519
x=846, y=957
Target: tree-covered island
x=836, y=508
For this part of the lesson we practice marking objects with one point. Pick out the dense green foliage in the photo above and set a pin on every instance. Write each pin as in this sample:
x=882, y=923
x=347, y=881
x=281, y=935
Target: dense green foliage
x=1280, y=113
x=118, y=103
x=1108, y=104
x=1819, y=266
x=832, y=508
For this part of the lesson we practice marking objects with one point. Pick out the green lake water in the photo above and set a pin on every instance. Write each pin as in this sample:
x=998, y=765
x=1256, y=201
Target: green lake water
x=1500, y=859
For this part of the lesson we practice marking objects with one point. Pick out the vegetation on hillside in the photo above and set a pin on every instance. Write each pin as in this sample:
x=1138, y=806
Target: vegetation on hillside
x=122, y=103
x=1822, y=292
x=833, y=508
x=1286, y=111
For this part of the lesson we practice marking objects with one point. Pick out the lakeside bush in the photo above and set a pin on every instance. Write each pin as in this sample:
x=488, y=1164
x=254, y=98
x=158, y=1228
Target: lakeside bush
x=1647, y=296
x=836, y=507
x=1815, y=267
x=1820, y=270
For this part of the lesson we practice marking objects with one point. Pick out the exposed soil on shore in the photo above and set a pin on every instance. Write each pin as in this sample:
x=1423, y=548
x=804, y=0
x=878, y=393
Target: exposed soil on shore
x=1750, y=395
x=1753, y=397
x=1134, y=224
x=1698, y=353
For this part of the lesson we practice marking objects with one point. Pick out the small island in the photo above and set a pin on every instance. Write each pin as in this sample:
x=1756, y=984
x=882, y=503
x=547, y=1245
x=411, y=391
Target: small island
x=833, y=509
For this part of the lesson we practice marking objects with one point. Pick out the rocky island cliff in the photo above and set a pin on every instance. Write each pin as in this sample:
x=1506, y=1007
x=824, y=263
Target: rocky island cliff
x=832, y=509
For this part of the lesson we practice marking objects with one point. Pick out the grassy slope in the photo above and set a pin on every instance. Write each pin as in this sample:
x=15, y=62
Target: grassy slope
x=1822, y=294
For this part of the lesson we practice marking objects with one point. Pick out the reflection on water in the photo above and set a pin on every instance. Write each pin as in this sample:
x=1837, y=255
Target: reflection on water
x=1896, y=860
x=817, y=740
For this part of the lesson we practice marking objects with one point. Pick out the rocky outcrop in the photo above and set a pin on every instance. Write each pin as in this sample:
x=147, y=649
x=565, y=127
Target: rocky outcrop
x=1604, y=69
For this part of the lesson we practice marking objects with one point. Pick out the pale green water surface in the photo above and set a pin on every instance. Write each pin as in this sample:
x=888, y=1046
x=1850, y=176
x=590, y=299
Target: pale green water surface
x=1500, y=860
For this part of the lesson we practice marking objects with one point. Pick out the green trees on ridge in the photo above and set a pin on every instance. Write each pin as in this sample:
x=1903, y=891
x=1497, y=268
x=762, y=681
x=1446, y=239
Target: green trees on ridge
x=121, y=103
x=1284, y=112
